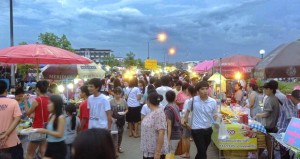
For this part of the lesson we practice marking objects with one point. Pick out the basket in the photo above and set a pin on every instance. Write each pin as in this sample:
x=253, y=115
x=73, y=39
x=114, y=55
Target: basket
x=235, y=154
x=261, y=140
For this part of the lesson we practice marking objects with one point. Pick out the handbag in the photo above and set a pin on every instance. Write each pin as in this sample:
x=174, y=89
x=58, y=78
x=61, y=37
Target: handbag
x=180, y=148
x=35, y=137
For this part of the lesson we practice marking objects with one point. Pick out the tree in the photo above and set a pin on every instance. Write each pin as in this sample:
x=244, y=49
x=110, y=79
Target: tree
x=23, y=68
x=111, y=61
x=23, y=43
x=130, y=60
x=140, y=64
x=56, y=41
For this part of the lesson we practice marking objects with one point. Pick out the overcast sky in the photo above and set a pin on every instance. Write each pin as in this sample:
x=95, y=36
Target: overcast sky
x=199, y=29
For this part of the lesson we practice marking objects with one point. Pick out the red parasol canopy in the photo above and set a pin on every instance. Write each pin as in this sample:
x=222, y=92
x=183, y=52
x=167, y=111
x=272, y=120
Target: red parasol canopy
x=40, y=54
x=241, y=63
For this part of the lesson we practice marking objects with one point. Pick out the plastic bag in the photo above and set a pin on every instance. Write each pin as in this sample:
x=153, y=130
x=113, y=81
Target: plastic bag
x=223, y=133
x=170, y=156
x=114, y=128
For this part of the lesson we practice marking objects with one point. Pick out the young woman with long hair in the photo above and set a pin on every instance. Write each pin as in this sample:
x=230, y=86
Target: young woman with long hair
x=56, y=147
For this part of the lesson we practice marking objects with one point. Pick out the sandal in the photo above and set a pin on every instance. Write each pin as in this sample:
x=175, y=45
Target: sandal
x=184, y=156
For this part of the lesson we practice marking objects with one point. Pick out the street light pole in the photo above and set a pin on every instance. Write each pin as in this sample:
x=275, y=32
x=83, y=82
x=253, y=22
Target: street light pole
x=262, y=52
x=162, y=37
x=148, y=51
x=12, y=68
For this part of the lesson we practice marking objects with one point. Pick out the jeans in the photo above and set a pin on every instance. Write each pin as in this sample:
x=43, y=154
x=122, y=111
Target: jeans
x=202, y=139
x=15, y=152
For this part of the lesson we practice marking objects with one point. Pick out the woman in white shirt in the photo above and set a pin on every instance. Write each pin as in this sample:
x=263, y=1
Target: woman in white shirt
x=133, y=96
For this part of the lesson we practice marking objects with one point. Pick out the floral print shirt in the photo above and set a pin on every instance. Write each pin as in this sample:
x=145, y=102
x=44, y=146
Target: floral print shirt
x=151, y=124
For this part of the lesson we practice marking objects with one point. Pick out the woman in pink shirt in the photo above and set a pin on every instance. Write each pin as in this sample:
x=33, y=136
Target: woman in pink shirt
x=182, y=96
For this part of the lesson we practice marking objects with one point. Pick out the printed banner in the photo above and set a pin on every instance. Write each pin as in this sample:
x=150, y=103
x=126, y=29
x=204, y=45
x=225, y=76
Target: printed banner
x=292, y=134
x=241, y=138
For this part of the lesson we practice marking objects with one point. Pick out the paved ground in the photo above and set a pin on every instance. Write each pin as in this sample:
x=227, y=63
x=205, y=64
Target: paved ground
x=131, y=147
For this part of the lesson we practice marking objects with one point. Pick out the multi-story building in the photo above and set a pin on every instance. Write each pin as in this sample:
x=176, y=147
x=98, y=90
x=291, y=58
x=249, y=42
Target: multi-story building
x=97, y=55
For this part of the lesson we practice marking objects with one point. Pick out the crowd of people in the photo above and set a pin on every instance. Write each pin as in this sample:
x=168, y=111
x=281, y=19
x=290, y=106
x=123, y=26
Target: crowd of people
x=165, y=110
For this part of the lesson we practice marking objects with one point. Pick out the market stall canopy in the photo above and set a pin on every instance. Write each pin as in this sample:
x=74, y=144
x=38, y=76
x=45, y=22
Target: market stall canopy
x=204, y=66
x=60, y=72
x=40, y=54
x=218, y=79
x=237, y=63
x=282, y=62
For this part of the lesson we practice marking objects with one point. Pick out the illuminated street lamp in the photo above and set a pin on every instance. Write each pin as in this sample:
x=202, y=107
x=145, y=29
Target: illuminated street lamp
x=172, y=51
x=161, y=37
x=262, y=52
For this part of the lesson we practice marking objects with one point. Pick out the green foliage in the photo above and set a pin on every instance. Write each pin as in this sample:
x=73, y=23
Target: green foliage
x=287, y=87
x=56, y=41
x=111, y=61
x=23, y=43
x=284, y=87
x=130, y=60
x=23, y=68
x=140, y=64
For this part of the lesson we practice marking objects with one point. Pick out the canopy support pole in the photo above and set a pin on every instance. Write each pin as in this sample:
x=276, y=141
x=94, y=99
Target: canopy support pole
x=220, y=84
x=37, y=70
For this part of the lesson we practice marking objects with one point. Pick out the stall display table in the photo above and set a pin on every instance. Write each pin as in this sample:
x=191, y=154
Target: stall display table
x=238, y=145
x=278, y=140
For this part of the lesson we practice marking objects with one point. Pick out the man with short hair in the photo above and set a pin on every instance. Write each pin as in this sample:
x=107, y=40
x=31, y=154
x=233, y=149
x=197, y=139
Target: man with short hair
x=204, y=109
x=10, y=116
x=288, y=110
x=296, y=99
x=270, y=114
x=100, y=111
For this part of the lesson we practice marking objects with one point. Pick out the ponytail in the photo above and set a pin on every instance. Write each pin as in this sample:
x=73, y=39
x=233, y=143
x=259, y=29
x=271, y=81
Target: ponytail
x=71, y=109
x=73, y=121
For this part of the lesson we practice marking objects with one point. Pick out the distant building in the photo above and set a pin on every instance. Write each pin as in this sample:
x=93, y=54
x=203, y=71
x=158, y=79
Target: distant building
x=97, y=55
x=120, y=59
x=187, y=65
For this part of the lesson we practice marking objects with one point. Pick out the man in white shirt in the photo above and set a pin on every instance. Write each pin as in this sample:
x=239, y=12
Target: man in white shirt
x=165, y=81
x=100, y=113
x=204, y=113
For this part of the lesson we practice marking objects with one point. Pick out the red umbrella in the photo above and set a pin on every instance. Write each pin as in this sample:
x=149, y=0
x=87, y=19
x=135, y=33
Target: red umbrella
x=241, y=63
x=40, y=54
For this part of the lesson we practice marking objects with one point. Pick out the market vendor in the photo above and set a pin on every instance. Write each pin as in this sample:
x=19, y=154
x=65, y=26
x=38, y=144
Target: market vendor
x=270, y=113
x=239, y=95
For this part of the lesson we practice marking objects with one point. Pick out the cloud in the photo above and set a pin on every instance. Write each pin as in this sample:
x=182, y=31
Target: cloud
x=199, y=29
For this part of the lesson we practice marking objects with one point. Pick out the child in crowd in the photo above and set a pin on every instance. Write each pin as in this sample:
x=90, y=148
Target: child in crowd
x=72, y=127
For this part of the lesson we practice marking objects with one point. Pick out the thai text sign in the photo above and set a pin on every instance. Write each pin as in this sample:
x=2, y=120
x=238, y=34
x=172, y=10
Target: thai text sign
x=151, y=64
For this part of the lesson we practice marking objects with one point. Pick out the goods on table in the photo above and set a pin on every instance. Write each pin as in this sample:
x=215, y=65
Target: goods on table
x=227, y=112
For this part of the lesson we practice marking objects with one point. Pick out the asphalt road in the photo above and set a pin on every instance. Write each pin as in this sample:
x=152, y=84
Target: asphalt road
x=131, y=147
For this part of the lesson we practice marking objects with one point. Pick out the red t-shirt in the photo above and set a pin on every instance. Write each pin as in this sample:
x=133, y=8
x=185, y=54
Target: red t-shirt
x=41, y=113
x=84, y=112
